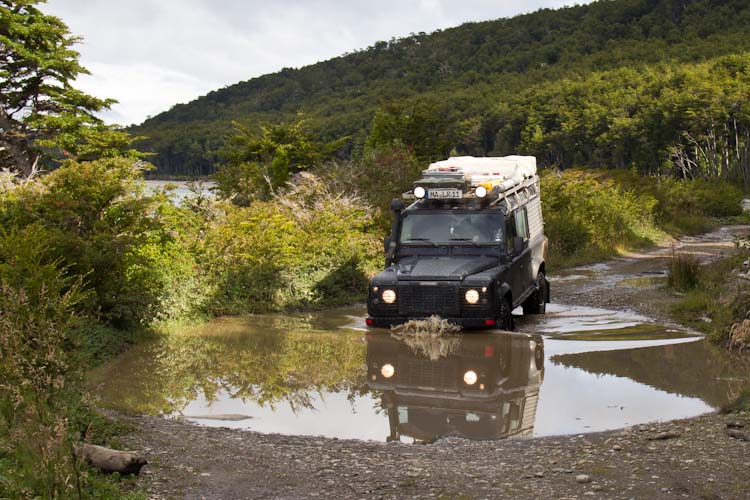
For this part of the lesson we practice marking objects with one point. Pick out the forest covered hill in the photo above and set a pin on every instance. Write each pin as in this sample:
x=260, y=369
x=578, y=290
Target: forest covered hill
x=650, y=84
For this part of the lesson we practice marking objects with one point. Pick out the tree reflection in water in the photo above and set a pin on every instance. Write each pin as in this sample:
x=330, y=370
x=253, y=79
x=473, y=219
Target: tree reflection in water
x=265, y=360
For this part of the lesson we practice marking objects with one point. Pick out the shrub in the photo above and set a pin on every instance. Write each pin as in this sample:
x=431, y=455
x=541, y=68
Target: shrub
x=720, y=296
x=586, y=213
x=592, y=214
x=381, y=174
x=129, y=248
x=42, y=413
x=306, y=247
x=684, y=206
x=683, y=272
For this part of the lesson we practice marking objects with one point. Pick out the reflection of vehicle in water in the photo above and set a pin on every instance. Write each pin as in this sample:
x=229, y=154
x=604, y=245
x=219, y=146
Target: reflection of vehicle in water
x=486, y=388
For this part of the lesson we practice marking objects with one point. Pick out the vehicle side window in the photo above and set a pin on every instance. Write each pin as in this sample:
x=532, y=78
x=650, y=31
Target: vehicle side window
x=522, y=226
x=510, y=232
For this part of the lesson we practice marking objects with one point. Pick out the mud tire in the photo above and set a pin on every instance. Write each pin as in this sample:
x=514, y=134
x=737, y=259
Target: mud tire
x=537, y=301
x=504, y=316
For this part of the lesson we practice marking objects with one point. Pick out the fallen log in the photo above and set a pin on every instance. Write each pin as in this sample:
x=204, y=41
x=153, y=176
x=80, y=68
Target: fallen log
x=738, y=435
x=123, y=462
x=227, y=417
x=664, y=435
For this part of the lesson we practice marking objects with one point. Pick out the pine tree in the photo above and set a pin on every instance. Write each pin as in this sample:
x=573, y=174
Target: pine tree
x=40, y=111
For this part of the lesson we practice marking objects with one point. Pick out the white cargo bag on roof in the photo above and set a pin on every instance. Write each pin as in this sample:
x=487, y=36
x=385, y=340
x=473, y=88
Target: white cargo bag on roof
x=492, y=169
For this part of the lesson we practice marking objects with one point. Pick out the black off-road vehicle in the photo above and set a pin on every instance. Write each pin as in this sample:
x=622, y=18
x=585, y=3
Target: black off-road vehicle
x=470, y=248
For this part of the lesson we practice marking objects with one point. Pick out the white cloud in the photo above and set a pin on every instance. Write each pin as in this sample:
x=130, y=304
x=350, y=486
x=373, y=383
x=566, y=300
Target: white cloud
x=152, y=54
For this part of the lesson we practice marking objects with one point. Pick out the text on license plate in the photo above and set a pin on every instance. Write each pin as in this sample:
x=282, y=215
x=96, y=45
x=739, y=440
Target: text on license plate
x=444, y=194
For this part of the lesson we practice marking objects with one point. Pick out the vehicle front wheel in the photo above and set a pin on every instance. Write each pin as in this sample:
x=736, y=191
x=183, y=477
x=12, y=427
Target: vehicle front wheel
x=537, y=301
x=505, y=316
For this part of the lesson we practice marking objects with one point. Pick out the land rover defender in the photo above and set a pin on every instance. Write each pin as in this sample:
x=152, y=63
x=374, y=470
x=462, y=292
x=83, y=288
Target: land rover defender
x=470, y=247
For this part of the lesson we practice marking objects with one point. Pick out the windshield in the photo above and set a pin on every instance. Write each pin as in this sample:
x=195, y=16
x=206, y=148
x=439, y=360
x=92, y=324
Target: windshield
x=452, y=227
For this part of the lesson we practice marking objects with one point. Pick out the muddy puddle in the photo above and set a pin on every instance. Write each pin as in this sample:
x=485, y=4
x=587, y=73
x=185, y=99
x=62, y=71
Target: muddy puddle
x=573, y=370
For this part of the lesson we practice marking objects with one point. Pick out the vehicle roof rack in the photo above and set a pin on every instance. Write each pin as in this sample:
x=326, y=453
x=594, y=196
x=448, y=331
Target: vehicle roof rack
x=508, y=179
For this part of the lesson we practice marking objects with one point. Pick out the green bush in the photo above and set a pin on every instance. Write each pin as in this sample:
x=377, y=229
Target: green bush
x=591, y=214
x=718, y=296
x=683, y=272
x=586, y=213
x=683, y=206
x=42, y=412
x=382, y=173
x=129, y=248
x=307, y=247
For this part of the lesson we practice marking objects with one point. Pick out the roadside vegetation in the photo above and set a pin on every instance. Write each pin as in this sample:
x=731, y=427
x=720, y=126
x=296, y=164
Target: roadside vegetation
x=593, y=214
x=715, y=297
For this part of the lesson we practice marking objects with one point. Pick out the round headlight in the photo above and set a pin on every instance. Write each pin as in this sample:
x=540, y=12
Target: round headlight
x=387, y=370
x=480, y=191
x=389, y=296
x=470, y=377
x=419, y=192
x=472, y=296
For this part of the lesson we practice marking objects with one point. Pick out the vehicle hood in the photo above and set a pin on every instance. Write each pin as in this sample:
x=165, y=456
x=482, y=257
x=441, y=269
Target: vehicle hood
x=443, y=267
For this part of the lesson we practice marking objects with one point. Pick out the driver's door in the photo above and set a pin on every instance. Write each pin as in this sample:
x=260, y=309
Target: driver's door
x=520, y=269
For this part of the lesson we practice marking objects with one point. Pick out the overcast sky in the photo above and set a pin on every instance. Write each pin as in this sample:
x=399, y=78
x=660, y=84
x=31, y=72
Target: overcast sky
x=152, y=54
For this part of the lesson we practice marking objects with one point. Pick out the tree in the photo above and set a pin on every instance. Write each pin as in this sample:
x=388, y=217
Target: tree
x=257, y=164
x=423, y=124
x=40, y=111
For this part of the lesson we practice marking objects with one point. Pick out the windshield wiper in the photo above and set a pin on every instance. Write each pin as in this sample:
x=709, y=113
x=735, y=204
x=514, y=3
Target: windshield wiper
x=425, y=240
x=475, y=243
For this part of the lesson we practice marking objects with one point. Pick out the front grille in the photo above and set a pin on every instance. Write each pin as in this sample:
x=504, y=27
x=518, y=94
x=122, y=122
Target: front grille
x=475, y=310
x=420, y=372
x=425, y=300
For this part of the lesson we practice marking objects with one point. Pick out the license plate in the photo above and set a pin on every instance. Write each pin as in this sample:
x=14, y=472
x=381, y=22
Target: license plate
x=444, y=194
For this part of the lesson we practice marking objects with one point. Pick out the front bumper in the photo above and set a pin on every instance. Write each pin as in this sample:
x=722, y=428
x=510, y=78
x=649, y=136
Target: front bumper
x=385, y=322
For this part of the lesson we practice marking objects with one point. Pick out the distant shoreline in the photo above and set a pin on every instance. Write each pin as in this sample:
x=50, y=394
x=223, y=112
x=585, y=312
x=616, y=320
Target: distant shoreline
x=180, y=178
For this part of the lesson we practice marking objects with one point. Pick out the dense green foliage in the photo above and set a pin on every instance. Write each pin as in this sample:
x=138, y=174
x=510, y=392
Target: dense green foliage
x=70, y=248
x=307, y=247
x=587, y=214
x=259, y=165
x=686, y=120
x=639, y=83
x=590, y=215
x=87, y=257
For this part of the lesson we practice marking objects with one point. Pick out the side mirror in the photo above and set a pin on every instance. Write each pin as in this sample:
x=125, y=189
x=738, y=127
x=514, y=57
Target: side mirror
x=517, y=244
x=397, y=205
x=387, y=243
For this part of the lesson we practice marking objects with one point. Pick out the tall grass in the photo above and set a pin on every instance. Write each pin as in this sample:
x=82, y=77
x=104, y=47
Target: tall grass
x=593, y=214
x=683, y=273
x=719, y=301
x=42, y=412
